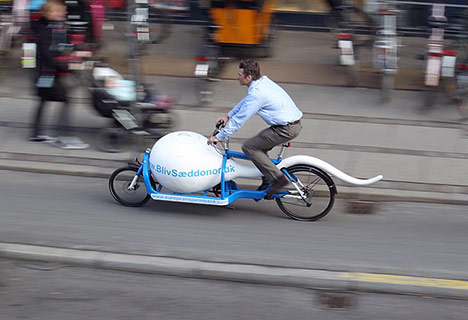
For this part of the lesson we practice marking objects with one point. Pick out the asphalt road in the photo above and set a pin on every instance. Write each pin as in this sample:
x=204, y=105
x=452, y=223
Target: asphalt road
x=30, y=290
x=75, y=212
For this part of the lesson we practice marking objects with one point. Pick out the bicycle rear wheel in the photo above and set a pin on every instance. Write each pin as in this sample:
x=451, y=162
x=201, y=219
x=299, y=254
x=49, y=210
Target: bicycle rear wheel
x=119, y=184
x=318, y=190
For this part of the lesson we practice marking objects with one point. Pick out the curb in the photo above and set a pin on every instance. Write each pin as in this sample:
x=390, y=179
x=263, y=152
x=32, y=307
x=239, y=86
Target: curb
x=250, y=273
x=58, y=168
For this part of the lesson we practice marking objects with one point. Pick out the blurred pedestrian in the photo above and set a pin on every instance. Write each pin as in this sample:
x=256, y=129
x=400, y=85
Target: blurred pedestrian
x=51, y=39
x=276, y=108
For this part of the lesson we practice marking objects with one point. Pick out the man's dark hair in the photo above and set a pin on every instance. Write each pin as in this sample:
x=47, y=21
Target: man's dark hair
x=251, y=68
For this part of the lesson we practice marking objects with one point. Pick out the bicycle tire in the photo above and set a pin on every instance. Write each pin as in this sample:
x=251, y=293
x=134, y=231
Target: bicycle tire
x=121, y=190
x=319, y=189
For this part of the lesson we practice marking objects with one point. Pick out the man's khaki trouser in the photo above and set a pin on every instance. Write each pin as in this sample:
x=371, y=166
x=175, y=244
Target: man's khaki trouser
x=257, y=147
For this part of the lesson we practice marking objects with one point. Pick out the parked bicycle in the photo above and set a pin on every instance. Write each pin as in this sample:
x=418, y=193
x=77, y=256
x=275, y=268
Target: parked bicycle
x=436, y=57
x=353, y=29
x=455, y=84
x=385, y=53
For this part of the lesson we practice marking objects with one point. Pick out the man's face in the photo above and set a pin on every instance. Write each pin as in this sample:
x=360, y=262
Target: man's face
x=244, y=80
x=57, y=13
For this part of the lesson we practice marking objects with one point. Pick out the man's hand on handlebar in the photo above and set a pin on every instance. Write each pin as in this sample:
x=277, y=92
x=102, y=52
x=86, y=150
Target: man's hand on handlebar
x=220, y=123
x=223, y=120
x=212, y=140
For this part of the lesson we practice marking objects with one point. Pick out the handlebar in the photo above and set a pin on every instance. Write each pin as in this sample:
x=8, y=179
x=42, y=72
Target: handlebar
x=220, y=124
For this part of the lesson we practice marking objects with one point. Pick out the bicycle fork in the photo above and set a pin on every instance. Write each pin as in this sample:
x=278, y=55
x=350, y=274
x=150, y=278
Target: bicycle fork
x=299, y=186
x=132, y=184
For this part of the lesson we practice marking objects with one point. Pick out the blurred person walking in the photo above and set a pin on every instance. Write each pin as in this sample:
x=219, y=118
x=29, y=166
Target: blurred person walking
x=51, y=36
x=276, y=108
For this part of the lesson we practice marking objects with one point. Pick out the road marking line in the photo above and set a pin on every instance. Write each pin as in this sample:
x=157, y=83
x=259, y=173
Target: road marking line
x=407, y=280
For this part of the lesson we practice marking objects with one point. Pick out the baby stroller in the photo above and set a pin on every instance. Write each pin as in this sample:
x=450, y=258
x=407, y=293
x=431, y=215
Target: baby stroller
x=137, y=114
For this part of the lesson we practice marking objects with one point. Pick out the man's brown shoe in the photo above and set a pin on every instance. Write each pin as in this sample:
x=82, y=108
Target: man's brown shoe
x=263, y=186
x=277, y=186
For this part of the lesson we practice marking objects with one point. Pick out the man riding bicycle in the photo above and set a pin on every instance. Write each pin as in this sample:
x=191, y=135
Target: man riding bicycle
x=276, y=108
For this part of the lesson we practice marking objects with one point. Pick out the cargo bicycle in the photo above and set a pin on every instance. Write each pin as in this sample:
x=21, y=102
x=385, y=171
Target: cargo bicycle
x=182, y=167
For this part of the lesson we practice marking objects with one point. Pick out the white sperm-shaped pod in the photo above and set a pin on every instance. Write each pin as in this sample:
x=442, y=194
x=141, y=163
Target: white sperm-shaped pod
x=183, y=162
x=328, y=168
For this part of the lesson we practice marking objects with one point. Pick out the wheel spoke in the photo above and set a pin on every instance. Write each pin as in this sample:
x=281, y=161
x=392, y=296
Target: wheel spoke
x=127, y=188
x=317, y=191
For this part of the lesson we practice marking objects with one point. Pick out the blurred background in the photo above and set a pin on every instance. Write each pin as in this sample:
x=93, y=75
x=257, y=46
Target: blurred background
x=383, y=87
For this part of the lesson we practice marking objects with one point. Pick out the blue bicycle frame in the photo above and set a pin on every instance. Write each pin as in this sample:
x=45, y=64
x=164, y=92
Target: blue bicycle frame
x=229, y=189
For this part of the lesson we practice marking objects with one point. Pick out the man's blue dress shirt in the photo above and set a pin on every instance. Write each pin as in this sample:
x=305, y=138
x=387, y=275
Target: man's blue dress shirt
x=267, y=99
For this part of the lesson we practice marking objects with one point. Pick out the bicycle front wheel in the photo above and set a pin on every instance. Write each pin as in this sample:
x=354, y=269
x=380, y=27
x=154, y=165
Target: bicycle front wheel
x=119, y=186
x=318, y=194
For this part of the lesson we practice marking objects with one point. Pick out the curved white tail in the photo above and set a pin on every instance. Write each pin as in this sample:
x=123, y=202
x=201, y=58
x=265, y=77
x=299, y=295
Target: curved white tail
x=328, y=168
